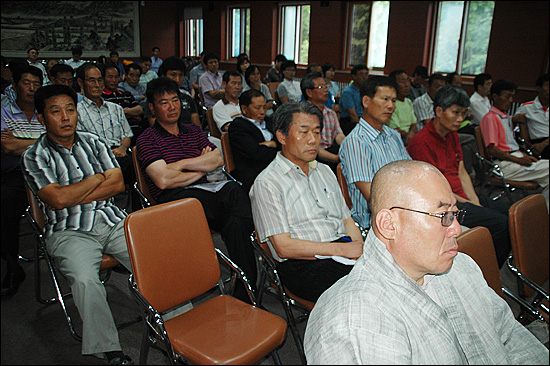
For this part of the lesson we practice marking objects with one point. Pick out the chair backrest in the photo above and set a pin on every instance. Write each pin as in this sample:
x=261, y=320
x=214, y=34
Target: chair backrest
x=227, y=154
x=214, y=130
x=529, y=237
x=172, y=253
x=478, y=244
x=34, y=208
x=140, y=178
x=343, y=185
x=482, y=149
x=273, y=90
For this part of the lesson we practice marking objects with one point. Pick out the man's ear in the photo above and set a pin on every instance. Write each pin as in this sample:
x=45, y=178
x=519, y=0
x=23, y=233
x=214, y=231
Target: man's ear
x=365, y=101
x=439, y=111
x=152, y=108
x=385, y=223
x=40, y=118
x=80, y=83
x=281, y=137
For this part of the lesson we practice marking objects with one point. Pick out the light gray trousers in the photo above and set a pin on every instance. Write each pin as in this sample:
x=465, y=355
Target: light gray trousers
x=78, y=255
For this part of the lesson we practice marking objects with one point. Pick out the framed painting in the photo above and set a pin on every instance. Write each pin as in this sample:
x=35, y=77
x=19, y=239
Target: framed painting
x=54, y=27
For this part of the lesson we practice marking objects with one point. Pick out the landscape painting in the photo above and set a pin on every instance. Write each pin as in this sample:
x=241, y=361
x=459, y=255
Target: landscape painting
x=54, y=27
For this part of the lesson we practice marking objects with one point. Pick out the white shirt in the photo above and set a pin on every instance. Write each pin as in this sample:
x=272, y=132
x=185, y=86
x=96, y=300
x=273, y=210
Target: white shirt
x=480, y=107
x=41, y=67
x=224, y=112
x=537, y=119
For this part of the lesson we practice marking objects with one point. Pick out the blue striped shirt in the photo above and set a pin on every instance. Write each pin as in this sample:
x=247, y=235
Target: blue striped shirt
x=155, y=143
x=362, y=153
x=46, y=162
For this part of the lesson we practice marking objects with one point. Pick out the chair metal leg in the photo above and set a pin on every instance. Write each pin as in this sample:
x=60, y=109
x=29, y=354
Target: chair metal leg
x=276, y=358
x=294, y=330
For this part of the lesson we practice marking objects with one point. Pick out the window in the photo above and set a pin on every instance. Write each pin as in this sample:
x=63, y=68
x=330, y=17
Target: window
x=368, y=34
x=193, y=31
x=239, y=31
x=462, y=36
x=294, y=33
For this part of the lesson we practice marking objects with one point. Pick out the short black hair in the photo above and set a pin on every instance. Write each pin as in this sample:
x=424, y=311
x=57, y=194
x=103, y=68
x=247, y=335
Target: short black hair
x=109, y=65
x=249, y=72
x=480, y=79
x=502, y=85
x=29, y=69
x=434, y=77
x=76, y=50
x=227, y=75
x=172, y=63
x=355, y=69
x=289, y=63
x=144, y=58
x=160, y=86
x=210, y=55
x=327, y=66
x=280, y=58
x=311, y=66
x=48, y=91
x=113, y=53
x=307, y=83
x=422, y=71
x=155, y=48
x=370, y=87
x=33, y=48
x=394, y=73
x=60, y=68
x=134, y=66
x=246, y=97
x=450, y=77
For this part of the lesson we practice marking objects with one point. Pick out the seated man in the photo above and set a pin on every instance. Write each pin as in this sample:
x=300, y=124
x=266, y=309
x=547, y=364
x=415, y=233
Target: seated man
x=20, y=129
x=132, y=109
x=210, y=83
x=226, y=109
x=418, y=80
x=479, y=101
x=175, y=158
x=412, y=298
x=315, y=90
x=498, y=135
x=423, y=106
x=403, y=119
x=131, y=84
x=439, y=145
x=536, y=127
x=371, y=145
x=251, y=139
x=299, y=209
x=107, y=120
x=174, y=68
x=274, y=74
x=147, y=74
x=63, y=74
x=350, y=102
x=82, y=221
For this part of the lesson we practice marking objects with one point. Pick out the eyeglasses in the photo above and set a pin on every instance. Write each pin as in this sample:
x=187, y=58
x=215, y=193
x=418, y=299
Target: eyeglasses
x=94, y=80
x=320, y=87
x=446, y=217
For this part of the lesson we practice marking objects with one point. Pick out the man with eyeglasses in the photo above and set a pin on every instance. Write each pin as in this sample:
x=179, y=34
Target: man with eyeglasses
x=438, y=144
x=63, y=74
x=315, y=90
x=412, y=298
x=105, y=119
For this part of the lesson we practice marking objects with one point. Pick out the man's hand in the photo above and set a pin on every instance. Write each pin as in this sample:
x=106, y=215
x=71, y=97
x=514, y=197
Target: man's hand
x=120, y=151
x=526, y=160
x=519, y=118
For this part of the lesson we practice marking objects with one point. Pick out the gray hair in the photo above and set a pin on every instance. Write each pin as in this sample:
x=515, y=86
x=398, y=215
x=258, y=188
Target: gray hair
x=449, y=95
x=284, y=115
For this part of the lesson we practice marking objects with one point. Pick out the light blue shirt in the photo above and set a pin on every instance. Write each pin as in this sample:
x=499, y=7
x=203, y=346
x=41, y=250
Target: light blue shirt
x=268, y=136
x=350, y=99
x=362, y=153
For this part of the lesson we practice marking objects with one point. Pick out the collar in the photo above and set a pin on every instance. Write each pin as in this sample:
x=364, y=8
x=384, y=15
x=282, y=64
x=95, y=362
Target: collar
x=431, y=129
x=225, y=101
x=498, y=112
x=261, y=126
x=288, y=165
x=162, y=131
x=88, y=102
x=371, y=132
x=59, y=148
x=211, y=73
x=15, y=109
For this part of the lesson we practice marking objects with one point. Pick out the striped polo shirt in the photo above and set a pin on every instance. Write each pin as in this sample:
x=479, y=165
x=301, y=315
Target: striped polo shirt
x=155, y=143
x=362, y=153
x=15, y=120
x=47, y=162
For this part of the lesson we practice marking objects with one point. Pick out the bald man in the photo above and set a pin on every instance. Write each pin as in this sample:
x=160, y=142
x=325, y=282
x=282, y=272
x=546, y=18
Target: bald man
x=411, y=298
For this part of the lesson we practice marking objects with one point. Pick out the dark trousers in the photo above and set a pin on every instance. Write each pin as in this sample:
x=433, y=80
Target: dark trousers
x=229, y=212
x=14, y=204
x=308, y=279
x=494, y=216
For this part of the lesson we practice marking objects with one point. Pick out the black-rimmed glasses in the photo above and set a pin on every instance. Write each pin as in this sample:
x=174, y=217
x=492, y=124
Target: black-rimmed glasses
x=446, y=217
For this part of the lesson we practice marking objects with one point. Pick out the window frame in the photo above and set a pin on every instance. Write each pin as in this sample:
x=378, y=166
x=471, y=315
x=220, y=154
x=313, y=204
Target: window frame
x=348, y=36
x=244, y=41
x=193, y=38
x=461, y=42
x=298, y=29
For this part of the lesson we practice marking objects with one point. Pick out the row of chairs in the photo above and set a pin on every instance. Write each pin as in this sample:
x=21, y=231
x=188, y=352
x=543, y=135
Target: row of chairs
x=521, y=262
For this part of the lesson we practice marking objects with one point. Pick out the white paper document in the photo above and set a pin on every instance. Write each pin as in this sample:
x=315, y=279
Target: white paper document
x=337, y=258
